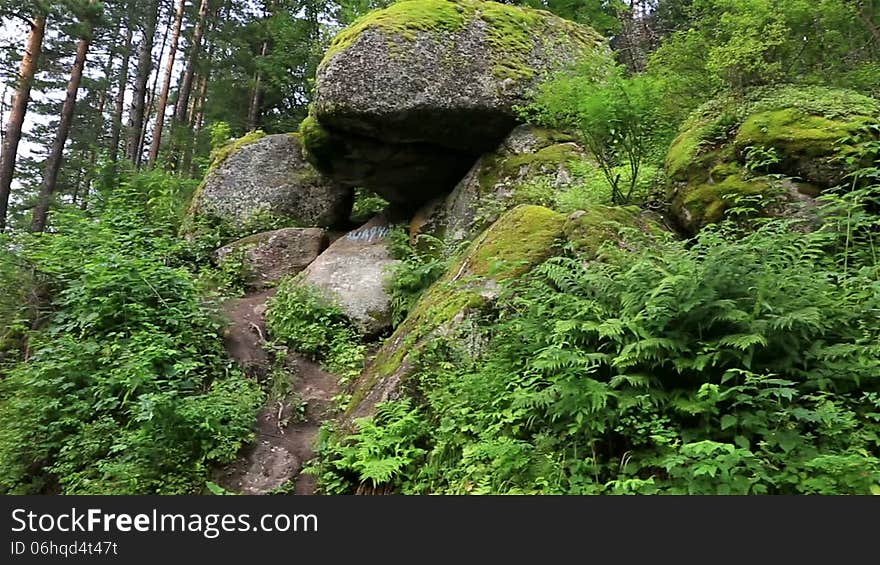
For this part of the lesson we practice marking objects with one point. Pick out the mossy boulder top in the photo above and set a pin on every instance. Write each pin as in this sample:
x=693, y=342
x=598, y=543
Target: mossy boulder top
x=438, y=76
x=268, y=176
x=733, y=148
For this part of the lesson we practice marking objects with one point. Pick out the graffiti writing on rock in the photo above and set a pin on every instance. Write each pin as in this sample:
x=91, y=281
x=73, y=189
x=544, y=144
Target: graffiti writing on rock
x=369, y=234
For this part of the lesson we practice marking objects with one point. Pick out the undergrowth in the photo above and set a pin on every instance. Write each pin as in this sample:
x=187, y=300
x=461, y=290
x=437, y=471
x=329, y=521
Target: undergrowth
x=305, y=320
x=126, y=388
x=733, y=364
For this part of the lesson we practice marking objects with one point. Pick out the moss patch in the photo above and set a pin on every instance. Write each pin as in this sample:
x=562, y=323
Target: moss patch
x=801, y=125
x=219, y=155
x=589, y=230
x=812, y=114
x=512, y=32
x=320, y=145
x=519, y=240
x=706, y=203
x=795, y=132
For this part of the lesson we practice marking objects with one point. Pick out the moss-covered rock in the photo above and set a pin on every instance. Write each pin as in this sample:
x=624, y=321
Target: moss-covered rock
x=437, y=74
x=588, y=231
x=519, y=240
x=726, y=150
x=267, y=176
x=532, y=166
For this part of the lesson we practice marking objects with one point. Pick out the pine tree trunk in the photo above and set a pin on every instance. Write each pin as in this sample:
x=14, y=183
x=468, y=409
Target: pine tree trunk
x=253, y=120
x=166, y=85
x=116, y=127
x=187, y=82
x=18, y=111
x=145, y=67
x=198, y=121
x=53, y=163
x=151, y=98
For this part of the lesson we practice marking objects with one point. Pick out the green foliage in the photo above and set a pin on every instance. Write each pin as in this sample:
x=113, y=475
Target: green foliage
x=421, y=264
x=383, y=451
x=620, y=120
x=127, y=388
x=366, y=205
x=736, y=44
x=737, y=364
x=303, y=319
x=18, y=302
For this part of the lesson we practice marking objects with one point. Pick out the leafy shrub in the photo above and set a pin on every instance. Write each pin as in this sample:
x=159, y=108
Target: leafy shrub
x=127, y=388
x=737, y=364
x=366, y=205
x=302, y=318
x=421, y=264
x=619, y=119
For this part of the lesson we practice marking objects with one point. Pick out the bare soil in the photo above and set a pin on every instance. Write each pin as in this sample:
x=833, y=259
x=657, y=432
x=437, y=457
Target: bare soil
x=286, y=429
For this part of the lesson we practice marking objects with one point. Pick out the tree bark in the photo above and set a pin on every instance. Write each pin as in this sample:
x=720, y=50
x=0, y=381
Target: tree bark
x=166, y=85
x=18, y=111
x=187, y=82
x=116, y=127
x=253, y=120
x=53, y=163
x=151, y=97
x=145, y=67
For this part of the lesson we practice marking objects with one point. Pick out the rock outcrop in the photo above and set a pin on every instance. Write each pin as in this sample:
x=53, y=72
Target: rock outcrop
x=353, y=271
x=531, y=166
x=740, y=148
x=268, y=257
x=519, y=240
x=417, y=91
x=267, y=176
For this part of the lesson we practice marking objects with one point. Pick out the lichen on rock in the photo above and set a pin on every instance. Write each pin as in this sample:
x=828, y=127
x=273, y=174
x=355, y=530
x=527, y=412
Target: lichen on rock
x=268, y=175
x=352, y=273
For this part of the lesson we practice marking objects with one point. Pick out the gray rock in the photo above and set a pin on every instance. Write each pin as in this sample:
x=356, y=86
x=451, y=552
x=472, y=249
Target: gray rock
x=528, y=158
x=270, y=176
x=353, y=272
x=439, y=74
x=268, y=257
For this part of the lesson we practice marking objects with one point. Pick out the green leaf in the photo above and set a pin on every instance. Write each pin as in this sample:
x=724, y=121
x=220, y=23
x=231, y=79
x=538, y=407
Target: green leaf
x=728, y=421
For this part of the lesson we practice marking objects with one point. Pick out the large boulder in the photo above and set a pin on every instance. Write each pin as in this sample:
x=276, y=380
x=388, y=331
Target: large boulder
x=265, y=178
x=531, y=166
x=266, y=258
x=352, y=272
x=519, y=240
x=776, y=147
x=430, y=85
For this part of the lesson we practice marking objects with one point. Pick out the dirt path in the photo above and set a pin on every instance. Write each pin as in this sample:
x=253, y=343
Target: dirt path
x=286, y=429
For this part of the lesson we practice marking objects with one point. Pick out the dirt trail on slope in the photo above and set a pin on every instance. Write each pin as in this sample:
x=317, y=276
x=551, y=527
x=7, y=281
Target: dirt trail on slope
x=286, y=429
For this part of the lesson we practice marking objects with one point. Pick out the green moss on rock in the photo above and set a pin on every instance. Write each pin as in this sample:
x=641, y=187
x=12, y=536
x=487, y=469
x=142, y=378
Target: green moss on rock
x=220, y=154
x=512, y=32
x=802, y=126
x=320, y=145
x=519, y=240
x=795, y=132
x=589, y=230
